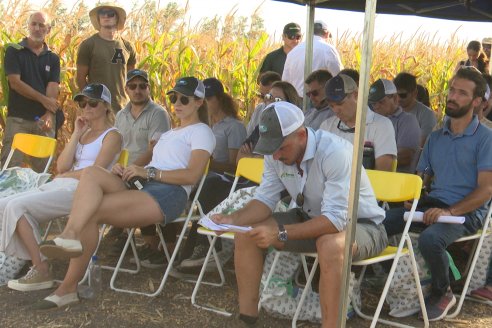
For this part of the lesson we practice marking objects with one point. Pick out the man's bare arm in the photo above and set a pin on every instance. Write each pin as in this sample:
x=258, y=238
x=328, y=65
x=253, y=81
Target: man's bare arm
x=82, y=73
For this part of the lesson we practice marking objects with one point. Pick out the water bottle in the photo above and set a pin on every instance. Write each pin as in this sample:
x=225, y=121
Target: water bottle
x=41, y=123
x=94, y=287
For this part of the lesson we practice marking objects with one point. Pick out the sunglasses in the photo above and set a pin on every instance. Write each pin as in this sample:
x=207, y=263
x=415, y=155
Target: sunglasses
x=107, y=12
x=141, y=86
x=270, y=98
x=345, y=129
x=294, y=37
x=312, y=93
x=91, y=102
x=403, y=95
x=184, y=100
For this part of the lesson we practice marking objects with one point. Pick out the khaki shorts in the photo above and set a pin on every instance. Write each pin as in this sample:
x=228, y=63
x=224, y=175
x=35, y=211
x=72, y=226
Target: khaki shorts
x=371, y=238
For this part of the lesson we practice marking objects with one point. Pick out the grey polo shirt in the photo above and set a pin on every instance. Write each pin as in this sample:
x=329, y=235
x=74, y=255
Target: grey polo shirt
x=327, y=166
x=229, y=133
x=426, y=118
x=138, y=132
x=314, y=117
x=407, y=133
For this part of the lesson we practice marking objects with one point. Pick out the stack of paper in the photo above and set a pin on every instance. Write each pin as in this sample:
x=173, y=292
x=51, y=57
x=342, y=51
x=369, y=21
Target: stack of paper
x=211, y=225
x=419, y=217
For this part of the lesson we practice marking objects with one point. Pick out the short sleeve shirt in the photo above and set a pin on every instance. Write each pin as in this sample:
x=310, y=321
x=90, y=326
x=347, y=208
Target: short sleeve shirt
x=426, y=118
x=274, y=61
x=407, y=132
x=138, y=132
x=314, y=117
x=229, y=133
x=107, y=61
x=36, y=71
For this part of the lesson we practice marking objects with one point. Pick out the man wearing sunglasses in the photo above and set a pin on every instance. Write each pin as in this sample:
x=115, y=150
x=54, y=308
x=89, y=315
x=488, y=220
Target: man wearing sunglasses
x=342, y=93
x=406, y=86
x=314, y=167
x=321, y=110
x=105, y=57
x=140, y=122
x=275, y=60
x=325, y=56
x=384, y=100
x=33, y=74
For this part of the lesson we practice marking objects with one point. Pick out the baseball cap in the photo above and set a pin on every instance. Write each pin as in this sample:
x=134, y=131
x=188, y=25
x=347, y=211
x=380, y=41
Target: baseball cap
x=213, y=87
x=277, y=121
x=96, y=91
x=292, y=29
x=380, y=89
x=189, y=86
x=487, y=41
x=338, y=87
x=136, y=72
x=320, y=26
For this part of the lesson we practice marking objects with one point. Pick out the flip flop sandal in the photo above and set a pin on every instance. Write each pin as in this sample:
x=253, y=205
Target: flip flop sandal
x=62, y=249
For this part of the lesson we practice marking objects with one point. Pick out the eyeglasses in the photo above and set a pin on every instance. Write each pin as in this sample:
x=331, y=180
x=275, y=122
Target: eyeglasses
x=313, y=93
x=141, y=86
x=345, y=128
x=107, y=12
x=300, y=199
x=184, y=100
x=403, y=95
x=91, y=102
x=268, y=97
x=294, y=37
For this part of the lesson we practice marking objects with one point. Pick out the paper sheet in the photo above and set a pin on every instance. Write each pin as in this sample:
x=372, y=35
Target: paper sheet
x=206, y=222
x=419, y=217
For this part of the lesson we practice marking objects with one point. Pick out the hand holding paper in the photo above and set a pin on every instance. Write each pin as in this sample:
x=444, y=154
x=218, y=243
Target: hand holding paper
x=419, y=217
x=206, y=222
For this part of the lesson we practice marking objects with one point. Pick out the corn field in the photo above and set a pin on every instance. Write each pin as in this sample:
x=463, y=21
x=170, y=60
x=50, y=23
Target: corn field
x=230, y=48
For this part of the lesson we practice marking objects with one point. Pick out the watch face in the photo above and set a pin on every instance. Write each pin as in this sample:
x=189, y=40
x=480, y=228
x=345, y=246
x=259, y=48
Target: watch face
x=282, y=236
x=151, y=173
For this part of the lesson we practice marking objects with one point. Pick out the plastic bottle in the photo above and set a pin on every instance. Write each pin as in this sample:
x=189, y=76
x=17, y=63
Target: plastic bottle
x=94, y=288
x=41, y=123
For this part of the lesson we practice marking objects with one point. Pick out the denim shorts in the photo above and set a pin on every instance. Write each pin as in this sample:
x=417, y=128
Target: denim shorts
x=171, y=199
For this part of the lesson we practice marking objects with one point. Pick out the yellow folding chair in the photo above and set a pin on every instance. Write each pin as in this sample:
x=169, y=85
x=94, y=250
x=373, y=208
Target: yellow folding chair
x=170, y=259
x=388, y=187
x=33, y=145
x=251, y=169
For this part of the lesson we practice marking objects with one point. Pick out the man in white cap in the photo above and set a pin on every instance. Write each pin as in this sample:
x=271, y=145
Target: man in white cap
x=325, y=56
x=105, y=57
x=314, y=167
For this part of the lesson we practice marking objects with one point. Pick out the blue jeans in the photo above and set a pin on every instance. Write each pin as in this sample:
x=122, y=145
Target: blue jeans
x=434, y=239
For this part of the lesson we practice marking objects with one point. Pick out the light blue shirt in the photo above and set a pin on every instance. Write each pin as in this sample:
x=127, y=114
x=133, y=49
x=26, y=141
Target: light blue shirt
x=327, y=166
x=455, y=160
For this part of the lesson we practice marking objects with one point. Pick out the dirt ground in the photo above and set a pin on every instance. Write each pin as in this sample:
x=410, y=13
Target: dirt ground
x=173, y=307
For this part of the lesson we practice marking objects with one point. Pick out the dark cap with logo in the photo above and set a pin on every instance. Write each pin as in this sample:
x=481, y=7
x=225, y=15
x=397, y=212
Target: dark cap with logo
x=338, y=87
x=380, y=89
x=277, y=121
x=96, y=91
x=136, y=72
x=292, y=29
x=213, y=87
x=189, y=86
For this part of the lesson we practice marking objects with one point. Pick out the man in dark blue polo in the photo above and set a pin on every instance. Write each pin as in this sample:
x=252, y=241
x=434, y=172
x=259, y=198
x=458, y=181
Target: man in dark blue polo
x=33, y=74
x=456, y=165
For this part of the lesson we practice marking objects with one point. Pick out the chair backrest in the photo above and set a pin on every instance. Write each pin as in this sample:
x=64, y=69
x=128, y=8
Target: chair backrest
x=33, y=145
x=250, y=168
x=123, y=159
x=395, y=187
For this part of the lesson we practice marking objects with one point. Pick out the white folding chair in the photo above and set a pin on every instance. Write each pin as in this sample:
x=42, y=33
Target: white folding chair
x=170, y=259
x=388, y=187
x=472, y=261
x=251, y=169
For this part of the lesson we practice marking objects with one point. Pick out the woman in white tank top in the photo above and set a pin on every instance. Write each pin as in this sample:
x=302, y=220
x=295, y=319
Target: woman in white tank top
x=94, y=141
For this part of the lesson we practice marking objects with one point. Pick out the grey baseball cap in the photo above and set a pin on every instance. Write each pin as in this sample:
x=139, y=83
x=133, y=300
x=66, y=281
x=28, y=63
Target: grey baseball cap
x=338, y=87
x=96, y=91
x=380, y=89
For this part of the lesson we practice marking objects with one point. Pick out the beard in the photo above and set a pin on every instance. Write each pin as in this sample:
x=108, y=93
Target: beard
x=458, y=112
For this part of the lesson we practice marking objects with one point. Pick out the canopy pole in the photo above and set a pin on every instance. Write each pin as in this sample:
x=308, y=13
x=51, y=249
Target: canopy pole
x=365, y=69
x=308, y=61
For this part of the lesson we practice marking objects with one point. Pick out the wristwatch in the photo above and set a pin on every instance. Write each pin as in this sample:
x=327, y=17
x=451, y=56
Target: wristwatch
x=151, y=171
x=282, y=233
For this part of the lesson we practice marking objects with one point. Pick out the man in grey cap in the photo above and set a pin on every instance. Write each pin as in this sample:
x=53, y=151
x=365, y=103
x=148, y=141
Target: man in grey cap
x=314, y=167
x=105, y=57
x=275, y=60
x=325, y=56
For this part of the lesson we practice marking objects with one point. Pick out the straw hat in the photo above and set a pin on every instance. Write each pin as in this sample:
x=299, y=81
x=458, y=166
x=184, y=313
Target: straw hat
x=119, y=11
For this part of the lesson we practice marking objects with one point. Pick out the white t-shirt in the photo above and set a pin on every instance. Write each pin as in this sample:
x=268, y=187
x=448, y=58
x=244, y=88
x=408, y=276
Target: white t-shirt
x=173, y=150
x=379, y=131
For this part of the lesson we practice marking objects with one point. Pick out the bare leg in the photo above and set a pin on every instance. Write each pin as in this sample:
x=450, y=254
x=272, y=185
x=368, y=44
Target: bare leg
x=24, y=230
x=330, y=254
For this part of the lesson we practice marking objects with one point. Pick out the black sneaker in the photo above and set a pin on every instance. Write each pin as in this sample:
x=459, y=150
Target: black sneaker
x=438, y=307
x=155, y=259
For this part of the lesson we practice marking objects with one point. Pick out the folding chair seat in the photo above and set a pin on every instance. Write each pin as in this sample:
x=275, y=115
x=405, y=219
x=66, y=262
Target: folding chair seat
x=388, y=187
x=251, y=169
x=472, y=261
x=170, y=258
